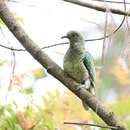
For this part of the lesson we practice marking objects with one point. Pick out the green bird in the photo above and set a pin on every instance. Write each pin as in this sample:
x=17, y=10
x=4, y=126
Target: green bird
x=78, y=63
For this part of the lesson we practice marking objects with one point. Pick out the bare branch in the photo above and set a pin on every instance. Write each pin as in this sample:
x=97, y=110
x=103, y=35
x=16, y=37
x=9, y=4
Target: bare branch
x=78, y=2
x=19, y=49
x=107, y=116
x=13, y=61
x=94, y=39
x=109, y=1
x=104, y=40
x=11, y=49
x=96, y=125
x=96, y=7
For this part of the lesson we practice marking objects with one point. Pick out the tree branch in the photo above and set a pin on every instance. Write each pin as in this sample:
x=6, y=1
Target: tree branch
x=96, y=7
x=89, y=124
x=110, y=1
x=107, y=116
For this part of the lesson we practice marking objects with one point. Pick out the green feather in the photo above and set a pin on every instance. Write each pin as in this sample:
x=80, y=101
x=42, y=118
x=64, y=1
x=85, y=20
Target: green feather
x=89, y=64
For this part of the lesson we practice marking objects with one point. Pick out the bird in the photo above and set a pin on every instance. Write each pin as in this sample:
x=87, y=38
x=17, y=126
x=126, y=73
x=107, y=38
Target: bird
x=78, y=63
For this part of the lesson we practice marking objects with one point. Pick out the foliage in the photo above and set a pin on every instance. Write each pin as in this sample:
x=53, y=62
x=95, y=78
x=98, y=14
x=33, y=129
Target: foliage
x=32, y=116
x=56, y=110
x=34, y=75
x=38, y=73
x=8, y=119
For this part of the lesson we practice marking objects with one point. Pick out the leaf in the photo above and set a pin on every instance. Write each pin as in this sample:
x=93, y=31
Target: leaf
x=38, y=73
x=46, y=101
x=23, y=121
x=1, y=110
x=28, y=110
x=28, y=90
x=51, y=96
x=18, y=81
x=10, y=123
x=49, y=123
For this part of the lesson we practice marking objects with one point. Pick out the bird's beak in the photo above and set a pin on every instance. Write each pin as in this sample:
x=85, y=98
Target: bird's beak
x=64, y=37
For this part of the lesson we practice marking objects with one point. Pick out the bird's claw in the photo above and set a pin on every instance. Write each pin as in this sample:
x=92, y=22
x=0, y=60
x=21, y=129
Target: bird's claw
x=87, y=84
x=80, y=87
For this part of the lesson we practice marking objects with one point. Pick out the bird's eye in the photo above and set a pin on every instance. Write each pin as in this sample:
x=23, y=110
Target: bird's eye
x=73, y=35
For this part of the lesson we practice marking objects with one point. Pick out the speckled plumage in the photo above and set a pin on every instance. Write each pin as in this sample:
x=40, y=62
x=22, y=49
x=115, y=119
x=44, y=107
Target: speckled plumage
x=78, y=63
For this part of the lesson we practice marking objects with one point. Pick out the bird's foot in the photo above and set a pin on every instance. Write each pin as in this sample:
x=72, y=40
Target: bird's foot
x=80, y=87
x=87, y=84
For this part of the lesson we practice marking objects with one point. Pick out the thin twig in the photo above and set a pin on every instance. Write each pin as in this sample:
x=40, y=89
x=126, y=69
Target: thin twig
x=101, y=38
x=96, y=7
x=101, y=126
x=63, y=43
x=19, y=49
x=125, y=51
x=109, y=1
x=13, y=61
x=11, y=49
x=104, y=40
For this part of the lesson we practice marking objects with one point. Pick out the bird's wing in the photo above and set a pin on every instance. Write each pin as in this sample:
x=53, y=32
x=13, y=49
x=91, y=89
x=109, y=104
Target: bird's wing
x=89, y=64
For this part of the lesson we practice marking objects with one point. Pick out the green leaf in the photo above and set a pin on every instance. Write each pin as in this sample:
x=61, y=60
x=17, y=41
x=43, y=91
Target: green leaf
x=2, y=110
x=28, y=90
x=51, y=96
x=39, y=73
x=46, y=101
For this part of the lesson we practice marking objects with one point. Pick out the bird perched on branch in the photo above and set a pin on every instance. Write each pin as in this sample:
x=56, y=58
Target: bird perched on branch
x=78, y=63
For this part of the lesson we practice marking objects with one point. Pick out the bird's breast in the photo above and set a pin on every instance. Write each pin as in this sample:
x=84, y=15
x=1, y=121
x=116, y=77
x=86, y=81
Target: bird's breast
x=75, y=68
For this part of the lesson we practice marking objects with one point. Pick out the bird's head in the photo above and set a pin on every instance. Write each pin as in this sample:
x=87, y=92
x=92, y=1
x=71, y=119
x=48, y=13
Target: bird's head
x=74, y=37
